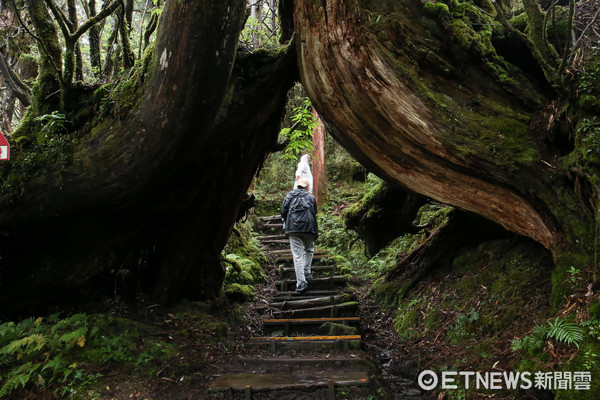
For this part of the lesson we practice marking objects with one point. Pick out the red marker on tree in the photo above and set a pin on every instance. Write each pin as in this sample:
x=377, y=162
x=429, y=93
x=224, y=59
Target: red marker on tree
x=4, y=148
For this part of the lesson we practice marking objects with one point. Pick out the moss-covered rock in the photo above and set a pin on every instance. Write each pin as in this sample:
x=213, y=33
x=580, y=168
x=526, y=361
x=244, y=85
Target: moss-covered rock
x=239, y=293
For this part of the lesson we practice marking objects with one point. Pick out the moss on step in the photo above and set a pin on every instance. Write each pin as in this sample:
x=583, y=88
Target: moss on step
x=335, y=329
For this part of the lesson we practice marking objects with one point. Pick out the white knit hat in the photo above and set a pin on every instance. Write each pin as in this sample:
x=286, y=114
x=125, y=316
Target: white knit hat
x=303, y=183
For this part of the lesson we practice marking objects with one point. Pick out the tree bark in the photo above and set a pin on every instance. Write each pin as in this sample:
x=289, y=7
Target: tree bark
x=47, y=89
x=319, y=165
x=360, y=76
x=169, y=174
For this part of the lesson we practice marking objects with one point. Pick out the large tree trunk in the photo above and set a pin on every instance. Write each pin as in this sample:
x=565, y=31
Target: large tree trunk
x=170, y=174
x=396, y=89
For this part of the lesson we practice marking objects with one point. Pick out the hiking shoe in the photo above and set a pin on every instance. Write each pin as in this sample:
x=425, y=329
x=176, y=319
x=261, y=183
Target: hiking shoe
x=302, y=289
x=308, y=276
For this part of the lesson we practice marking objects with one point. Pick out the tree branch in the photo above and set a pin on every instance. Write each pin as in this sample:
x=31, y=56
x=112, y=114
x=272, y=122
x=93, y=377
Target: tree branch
x=65, y=26
x=94, y=20
x=14, y=83
x=42, y=44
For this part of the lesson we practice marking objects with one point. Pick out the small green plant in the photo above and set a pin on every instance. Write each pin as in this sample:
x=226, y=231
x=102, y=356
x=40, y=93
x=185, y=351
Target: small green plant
x=53, y=123
x=574, y=277
x=565, y=331
x=300, y=135
x=589, y=359
x=533, y=343
x=560, y=330
x=37, y=354
x=592, y=328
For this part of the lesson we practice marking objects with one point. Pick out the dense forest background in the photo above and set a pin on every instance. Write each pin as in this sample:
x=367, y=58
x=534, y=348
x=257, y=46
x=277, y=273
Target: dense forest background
x=143, y=131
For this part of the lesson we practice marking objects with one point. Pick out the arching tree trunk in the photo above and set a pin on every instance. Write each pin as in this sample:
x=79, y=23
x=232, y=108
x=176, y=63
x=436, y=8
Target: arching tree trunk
x=169, y=174
x=406, y=100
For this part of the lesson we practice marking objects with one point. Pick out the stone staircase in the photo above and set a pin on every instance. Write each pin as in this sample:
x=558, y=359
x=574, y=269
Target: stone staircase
x=310, y=346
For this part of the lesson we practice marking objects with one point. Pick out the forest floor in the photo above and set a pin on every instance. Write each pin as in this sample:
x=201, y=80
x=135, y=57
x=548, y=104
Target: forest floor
x=205, y=335
x=462, y=319
x=208, y=334
x=199, y=348
x=201, y=344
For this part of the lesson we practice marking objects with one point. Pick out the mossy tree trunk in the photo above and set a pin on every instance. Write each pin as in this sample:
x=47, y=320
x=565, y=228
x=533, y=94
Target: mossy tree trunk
x=46, y=95
x=165, y=177
x=423, y=109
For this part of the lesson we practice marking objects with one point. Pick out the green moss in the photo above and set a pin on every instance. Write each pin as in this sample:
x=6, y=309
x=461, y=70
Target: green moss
x=485, y=348
x=433, y=215
x=586, y=360
x=519, y=21
x=432, y=321
x=589, y=103
x=594, y=310
x=334, y=329
x=560, y=276
x=462, y=33
x=437, y=9
x=505, y=273
x=239, y=293
x=406, y=321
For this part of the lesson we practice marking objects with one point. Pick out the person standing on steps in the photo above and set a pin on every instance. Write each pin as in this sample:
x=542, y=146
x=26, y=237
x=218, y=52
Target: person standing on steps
x=299, y=214
x=303, y=171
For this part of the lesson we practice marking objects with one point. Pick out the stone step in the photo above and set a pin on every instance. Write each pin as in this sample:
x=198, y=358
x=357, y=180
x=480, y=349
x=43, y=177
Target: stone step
x=306, y=343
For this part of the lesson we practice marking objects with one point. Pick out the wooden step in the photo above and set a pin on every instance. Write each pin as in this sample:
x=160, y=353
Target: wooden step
x=307, y=321
x=338, y=310
x=311, y=302
x=351, y=361
x=252, y=382
x=285, y=326
x=273, y=225
x=271, y=237
x=306, y=343
x=285, y=252
x=280, y=242
x=270, y=218
x=289, y=259
x=330, y=282
x=318, y=271
x=293, y=295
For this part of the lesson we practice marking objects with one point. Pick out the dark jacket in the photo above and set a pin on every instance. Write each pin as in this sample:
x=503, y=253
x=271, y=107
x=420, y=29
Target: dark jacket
x=299, y=212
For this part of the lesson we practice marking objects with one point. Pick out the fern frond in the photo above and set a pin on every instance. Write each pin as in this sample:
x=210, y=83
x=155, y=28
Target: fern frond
x=6, y=328
x=53, y=318
x=27, y=324
x=74, y=337
x=19, y=377
x=69, y=324
x=565, y=331
x=25, y=346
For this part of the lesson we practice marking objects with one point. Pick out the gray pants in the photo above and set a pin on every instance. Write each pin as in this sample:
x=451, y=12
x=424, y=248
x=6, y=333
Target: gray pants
x=303, y=248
